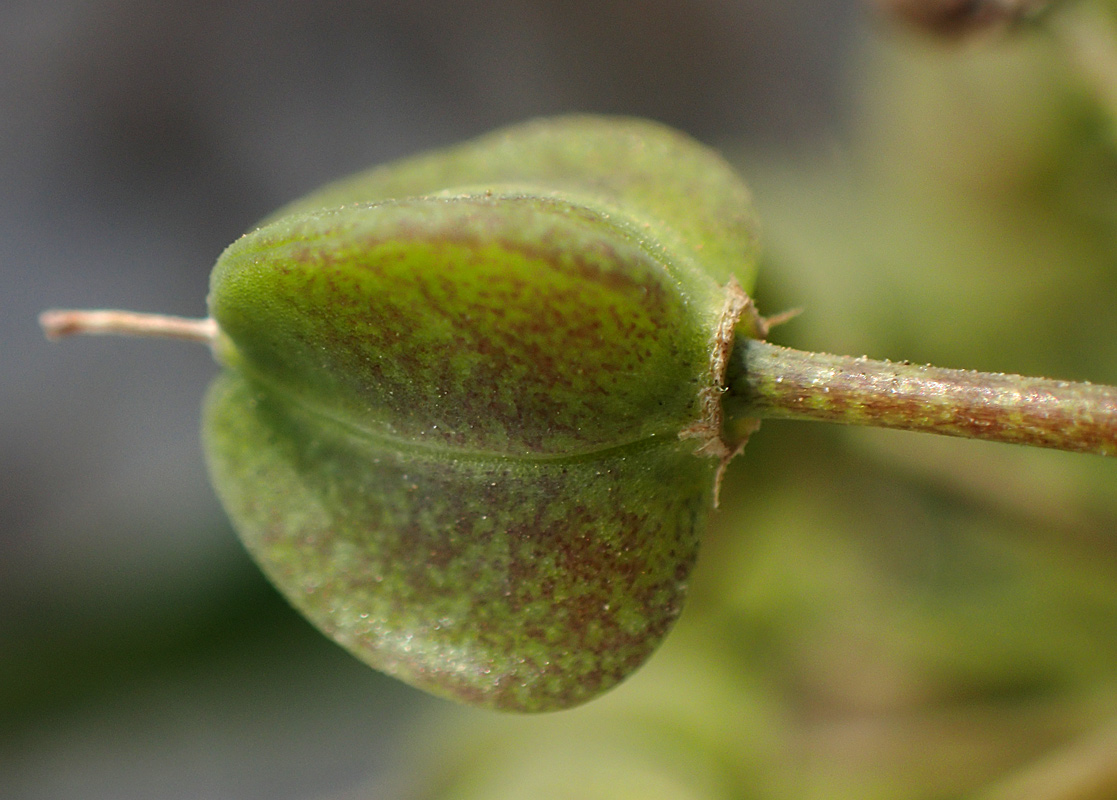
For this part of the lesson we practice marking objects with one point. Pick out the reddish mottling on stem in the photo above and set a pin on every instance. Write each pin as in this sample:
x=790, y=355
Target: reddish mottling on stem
x=778, y=382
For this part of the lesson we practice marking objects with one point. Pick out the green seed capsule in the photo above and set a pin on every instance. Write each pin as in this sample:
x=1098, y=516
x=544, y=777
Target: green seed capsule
x=469, y=400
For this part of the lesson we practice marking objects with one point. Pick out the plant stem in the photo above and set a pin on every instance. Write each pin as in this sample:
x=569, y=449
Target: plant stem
x=769, y=381
x=57, y=324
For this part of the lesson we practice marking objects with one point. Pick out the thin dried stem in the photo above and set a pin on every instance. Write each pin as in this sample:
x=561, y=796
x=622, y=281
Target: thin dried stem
x=768, y=381
x=59, y=323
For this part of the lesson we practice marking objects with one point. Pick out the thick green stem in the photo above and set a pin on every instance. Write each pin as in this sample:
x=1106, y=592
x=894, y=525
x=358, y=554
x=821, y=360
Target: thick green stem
x=768, y=381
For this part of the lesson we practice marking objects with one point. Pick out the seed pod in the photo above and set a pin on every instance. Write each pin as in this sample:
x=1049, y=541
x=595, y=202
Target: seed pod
x=470, y=401
x=469, y=398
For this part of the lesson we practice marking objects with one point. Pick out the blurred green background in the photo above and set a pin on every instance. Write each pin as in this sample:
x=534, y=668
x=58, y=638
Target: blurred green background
x=874, y=615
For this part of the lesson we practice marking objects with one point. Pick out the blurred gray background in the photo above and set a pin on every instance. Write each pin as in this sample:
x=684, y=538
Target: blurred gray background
x=141, y=654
